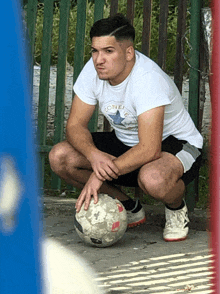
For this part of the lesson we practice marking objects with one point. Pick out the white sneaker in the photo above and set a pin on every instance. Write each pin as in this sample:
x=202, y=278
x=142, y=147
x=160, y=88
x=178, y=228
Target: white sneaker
x=136, y=216
x=176, y=228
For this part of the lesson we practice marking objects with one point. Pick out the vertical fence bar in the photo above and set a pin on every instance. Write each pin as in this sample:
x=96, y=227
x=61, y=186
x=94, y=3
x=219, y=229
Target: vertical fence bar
x=98, y=14
x=98, y=10
x=61, y=80
x=31, y=23
x=80, y=37
x=113, y=11
x=114, y=7
x=130, y=10
x=45, y=76
x=130, y=16
x=180, y=41
x=146, y=27
x=162, y=46
x=194, y=77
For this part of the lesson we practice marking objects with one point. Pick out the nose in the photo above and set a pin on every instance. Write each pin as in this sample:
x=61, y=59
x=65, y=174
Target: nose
x=100, y=58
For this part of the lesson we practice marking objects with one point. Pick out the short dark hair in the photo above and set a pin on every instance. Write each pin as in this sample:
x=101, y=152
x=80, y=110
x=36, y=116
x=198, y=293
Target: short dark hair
x=117, y=26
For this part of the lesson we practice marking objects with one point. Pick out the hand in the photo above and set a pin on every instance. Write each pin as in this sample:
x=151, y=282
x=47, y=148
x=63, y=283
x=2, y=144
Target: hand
x=103, y=166
x=90, y=189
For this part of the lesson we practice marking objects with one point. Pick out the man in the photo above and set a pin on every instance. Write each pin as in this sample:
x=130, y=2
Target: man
x=154, y=143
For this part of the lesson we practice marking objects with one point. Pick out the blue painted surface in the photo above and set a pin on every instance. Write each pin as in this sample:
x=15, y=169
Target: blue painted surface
x=19, y=243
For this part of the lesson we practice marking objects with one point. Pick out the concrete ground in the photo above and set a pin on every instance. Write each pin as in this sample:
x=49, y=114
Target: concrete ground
x=141, y=262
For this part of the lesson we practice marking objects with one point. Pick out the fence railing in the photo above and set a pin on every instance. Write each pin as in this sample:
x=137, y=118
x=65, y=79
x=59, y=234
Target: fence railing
x=31, y=7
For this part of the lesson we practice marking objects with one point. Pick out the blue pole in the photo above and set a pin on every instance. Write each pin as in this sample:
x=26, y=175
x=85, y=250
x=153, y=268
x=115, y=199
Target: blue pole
x=20, y=222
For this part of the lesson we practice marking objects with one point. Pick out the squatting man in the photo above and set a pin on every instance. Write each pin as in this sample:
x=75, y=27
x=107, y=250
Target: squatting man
x=154, y=144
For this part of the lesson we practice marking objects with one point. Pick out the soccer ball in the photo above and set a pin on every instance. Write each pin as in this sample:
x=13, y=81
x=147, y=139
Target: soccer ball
x=103, y=224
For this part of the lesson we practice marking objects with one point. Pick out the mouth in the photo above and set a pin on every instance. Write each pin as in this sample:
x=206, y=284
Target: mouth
x=100, y=68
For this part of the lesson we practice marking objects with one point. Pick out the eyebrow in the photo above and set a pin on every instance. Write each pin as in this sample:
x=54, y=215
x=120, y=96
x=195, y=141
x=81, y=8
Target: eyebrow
x=108, y=47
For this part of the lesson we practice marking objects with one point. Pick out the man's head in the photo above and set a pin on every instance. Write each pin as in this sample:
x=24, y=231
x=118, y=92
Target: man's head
x=112, y=48
x=117, y=26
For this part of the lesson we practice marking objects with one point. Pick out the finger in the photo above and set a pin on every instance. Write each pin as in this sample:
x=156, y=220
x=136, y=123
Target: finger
x=105, y=174
x=99, y=176
x=112, y=174
x=79, y=202
x=114, y=168
x=109, y=174
x=106, y=171
x=96, y=198
x=87, y=201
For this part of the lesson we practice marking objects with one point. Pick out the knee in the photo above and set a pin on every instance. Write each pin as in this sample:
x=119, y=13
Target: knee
x=153, y=184
x=57, y=157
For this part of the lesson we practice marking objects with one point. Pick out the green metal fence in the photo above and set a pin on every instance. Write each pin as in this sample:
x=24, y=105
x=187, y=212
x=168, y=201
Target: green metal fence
x=82, y=5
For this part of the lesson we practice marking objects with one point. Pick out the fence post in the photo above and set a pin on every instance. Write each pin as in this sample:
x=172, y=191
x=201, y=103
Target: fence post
x=162, y=46
x=44, y=78
x=98, y=14
x=194, y=77
x=180, y=41
x=146, y=33
x=80, y=37
x=61, y=81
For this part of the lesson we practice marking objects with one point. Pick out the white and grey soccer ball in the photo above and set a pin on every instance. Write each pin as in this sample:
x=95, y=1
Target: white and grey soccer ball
x=103, y=224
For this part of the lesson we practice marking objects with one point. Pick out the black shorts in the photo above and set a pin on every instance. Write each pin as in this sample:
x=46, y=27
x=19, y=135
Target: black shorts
x=109, y=143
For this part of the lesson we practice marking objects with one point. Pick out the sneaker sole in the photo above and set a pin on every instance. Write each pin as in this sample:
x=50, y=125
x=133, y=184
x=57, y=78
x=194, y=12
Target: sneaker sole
x=175, y=240
x=135, y=224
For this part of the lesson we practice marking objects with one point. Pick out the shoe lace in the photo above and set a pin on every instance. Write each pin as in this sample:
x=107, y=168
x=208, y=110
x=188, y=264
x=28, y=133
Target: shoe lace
x=176, y=218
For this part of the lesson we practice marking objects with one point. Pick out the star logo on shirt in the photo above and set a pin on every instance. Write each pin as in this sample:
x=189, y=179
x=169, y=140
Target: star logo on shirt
x=117, y=118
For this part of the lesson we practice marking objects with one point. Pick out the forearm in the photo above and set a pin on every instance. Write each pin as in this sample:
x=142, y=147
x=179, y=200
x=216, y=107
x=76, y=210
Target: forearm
x=136, y=157
x=102, y=163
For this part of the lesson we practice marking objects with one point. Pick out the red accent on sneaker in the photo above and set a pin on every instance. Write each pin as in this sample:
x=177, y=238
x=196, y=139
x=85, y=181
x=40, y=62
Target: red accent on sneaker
x=135, y=224
x=175, y=240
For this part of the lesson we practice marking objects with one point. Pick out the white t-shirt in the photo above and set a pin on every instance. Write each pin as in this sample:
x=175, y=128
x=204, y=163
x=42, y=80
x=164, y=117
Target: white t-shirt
x=146, y=87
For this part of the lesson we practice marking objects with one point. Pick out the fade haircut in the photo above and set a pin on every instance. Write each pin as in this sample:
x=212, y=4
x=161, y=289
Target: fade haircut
x=117, y=26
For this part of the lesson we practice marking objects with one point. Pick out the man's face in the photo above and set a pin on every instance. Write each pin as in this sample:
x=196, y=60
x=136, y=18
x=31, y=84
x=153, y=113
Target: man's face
x=110, y=58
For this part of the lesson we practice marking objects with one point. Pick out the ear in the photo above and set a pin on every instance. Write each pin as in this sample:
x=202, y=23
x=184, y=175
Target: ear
x=130, y=52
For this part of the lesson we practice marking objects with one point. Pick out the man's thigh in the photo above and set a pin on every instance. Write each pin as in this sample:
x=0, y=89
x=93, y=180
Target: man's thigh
x=178, y=160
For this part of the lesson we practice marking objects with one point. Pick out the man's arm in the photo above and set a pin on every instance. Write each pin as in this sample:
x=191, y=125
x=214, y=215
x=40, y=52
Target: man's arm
x=150, y=129
x=79, y=136
x=77, y=132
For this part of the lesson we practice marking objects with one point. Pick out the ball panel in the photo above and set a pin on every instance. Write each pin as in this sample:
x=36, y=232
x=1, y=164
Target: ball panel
x=103, y=223
x=115, y=226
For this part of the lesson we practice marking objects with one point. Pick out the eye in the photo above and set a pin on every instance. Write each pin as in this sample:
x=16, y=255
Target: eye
x=93, y=50
x=109, y=50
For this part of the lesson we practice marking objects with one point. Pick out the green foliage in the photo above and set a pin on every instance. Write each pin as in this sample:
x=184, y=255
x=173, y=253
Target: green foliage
x=203, y=201
x=138, y=24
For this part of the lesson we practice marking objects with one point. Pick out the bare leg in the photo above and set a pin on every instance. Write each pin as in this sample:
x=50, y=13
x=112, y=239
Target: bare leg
x=161, y=179
x=75, y=169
